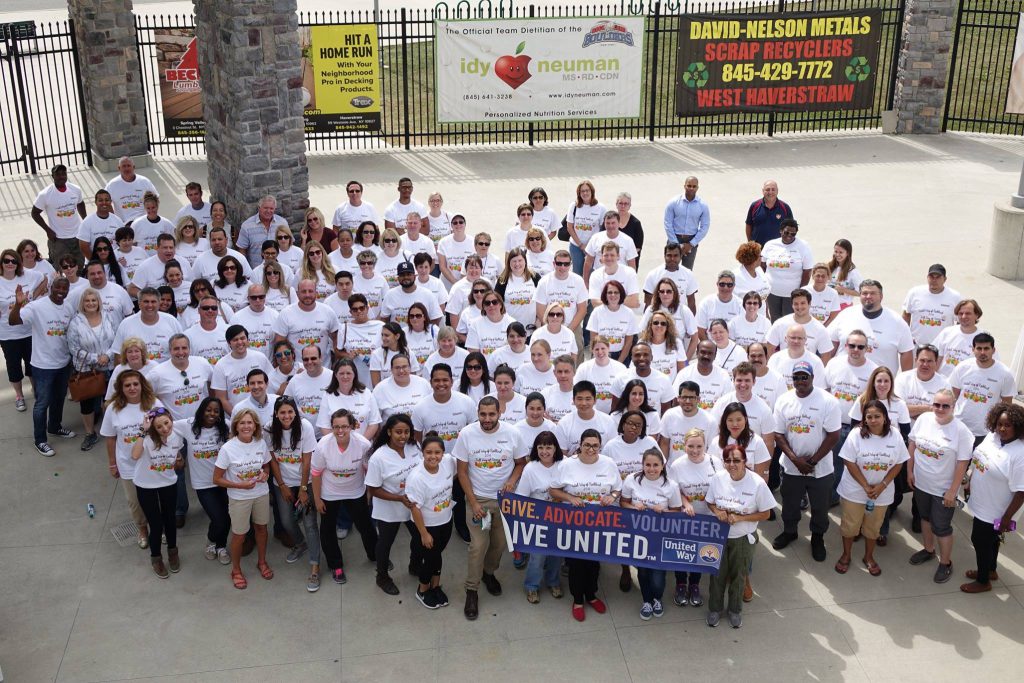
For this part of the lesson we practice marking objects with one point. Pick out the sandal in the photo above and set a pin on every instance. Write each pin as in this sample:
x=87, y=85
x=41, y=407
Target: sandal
x=873, y=568
x=842, y=567
x=265, y=571
x=238, y=578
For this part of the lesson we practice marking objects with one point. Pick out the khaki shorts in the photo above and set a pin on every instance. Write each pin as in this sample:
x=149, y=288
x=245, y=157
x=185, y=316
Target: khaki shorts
x=856, y=520
x=241, y=510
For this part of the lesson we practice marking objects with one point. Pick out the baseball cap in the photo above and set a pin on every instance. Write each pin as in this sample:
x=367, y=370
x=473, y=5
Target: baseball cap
x=937, y=268
x=804, y=367
x=405, y=268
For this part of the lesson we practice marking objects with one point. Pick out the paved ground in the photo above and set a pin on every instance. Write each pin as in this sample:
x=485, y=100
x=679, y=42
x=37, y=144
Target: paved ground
x=74, y=606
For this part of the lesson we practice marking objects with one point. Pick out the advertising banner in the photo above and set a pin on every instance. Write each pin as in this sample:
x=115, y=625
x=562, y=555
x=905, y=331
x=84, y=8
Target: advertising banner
x=341, y=78
x=641, y=538
x=180, y=93
x=795, y=61
x=538, y=69
x=1015, y=93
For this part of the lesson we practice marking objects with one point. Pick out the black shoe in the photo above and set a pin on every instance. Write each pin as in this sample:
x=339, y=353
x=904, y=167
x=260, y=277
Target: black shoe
x=491, y=583
x=782, y=540
x=440, y=596
x=915, y=525
x=385, y=583
x=472, y=608
x=428, y=599
x=179, y=521
x=818, y=547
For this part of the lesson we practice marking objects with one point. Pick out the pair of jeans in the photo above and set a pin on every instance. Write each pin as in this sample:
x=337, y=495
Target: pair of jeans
x=652, y=583
x=578, y=256
x=542, y=568
x=359, y=511
x=48, y=409
x=158, y=506
x=689, y=578
x=430, y=558
x=310, y=533
x=739, y=553
x=215, y=503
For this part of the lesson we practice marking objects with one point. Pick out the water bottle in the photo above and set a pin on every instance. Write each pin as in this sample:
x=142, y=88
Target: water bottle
x=869, y=506
x=91, y=509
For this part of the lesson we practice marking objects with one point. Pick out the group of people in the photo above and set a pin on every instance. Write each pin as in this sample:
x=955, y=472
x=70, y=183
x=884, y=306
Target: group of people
x=391, y=372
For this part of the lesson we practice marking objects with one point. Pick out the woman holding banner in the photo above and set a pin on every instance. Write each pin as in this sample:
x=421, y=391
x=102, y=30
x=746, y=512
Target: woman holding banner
x=741, y=499
x=537, y=478
x=693, y=475
x=652, y=490
x=590, y=479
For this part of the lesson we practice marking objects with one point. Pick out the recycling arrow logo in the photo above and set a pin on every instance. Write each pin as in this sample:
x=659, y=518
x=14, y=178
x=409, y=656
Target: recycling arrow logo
x=696, y=75
x=858, y=69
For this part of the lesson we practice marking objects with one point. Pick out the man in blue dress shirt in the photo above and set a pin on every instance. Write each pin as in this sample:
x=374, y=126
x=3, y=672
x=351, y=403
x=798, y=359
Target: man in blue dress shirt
x=687, y=221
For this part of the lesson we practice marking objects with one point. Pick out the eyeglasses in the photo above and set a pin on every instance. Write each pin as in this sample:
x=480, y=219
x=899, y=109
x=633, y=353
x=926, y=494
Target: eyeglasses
x=941, y=406
x=590, y=446
x=492, y=302
x=12, y=262
x=184, y=376
x=367, y=264
x=227, y=268
x=733, y=461
x=208, y=308
x=563, y=264
x=284, y=237
x=481, y=292
x=458, y=222
x=687, y=398
x=556, y=314
x=474, y=367
x=316, y=253
x=389, y=240
x=525, y=213
x=859, y=347
x=727, y=285
x=357, y=309
x=311, y=219
x=483, y=244
x=415, y=316
x=537, y=196
x=272, y=272
x=98, y=249
x=659, y=323
x=752, y=302
x=257, y=297
x=283, y=354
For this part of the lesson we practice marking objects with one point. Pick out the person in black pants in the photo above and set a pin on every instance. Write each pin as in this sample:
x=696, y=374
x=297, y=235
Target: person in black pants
x=338, y=466
x=429, y=488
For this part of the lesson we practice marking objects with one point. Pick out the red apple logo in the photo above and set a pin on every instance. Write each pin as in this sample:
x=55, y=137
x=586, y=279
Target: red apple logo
x=513, y=69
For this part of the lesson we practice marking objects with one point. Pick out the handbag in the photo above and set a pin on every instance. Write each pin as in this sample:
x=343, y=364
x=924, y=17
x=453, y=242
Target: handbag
x=563, y=232
x=86, y=385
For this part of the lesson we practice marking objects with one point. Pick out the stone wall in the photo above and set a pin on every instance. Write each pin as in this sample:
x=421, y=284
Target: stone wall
x=250, y=67
x=924, y=65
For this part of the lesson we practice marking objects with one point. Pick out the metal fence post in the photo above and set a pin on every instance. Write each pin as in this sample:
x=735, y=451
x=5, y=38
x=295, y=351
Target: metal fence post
x=653, y=106
x=897, y=46
x=529, y=125
x=81, y=92
x=27, y=147
x=952, y=64
x=405, y=77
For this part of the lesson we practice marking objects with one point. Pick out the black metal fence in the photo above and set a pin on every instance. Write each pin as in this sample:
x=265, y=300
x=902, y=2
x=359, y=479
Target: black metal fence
x=41, y=113
x=407, y=71
x=980, y=70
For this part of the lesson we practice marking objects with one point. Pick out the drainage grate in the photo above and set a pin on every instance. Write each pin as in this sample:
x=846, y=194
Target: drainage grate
x=126, y=534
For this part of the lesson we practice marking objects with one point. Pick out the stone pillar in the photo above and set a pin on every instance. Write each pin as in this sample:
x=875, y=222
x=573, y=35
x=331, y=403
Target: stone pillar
x=924, y=65
x=250, y=66
x=109, y=66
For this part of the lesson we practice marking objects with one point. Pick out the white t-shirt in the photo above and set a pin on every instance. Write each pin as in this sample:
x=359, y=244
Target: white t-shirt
x=627, y=247
x=980, y=389
x=128, y=261
x=516, y=360
x=759, y=413
x=380, y=362
x=61, y=208
x=348, y=216
x=615, y=326
x=490, y=457
x=432, y=493
x=208, y=344
x=756, y=451
x=888, y=335
x=155, y=467
x=782, y=363
x=202, y=214
x=421, y=344
x=361, y=341
x=569, y=293
x=181, y=398
x=650, y=493
x=515, y=410
x=200, y=451
x=229, y=374
x=190, y=251
x=49, y=325
x=624, y=275
x=387, y=266
x=260, y=327
x=440, y=226
x=915, y=391
x=562, y=343
x=157, y=336
x=242, y=462
x=818, y=340
x=455, y=362
x=629, y=458
x=666, y=361
x=955, y=347
x=264, y=410
x=148, y=231
x=603, y=378
x=232, y=295
x=659, y=389
x=541, y=262
x=747, y=496
x=852, y=281
x=804, y=422
x=558, y=403
x=937, y=450
x=529, y=379
x=874, y=456
x=308, y=393
x=588, y=482
x=397, y=301
x=998, y=474
x=125, y=427
x=745, y=282
x=28, y=281
x=713, y=386
x=770, y=386
x=785, y=264
x=392, y=398
x=455, y=253
x=288, y=456
x=150, y=273
x=571, y=428
x=127, y=196
x=339, y=262
x=685, y=281
x=308, y=328
x=361, y=404
x=536, y=480
x=519, y=294
x=488, y=336
x=898, y=412
x=93, y=227
x=421, y=244
x=847, y=382
x=528, y=434
x=585, y=219
x=745, y=333
x=711, y=308
x=388, y=470
x=729, y=356
x=823, y=303
x=675, y=425
x=342, y=474
x=396, y=212
x=930, y=313
x=694, y=478
x=205, y=265
x=115, y=300
x=447, y=419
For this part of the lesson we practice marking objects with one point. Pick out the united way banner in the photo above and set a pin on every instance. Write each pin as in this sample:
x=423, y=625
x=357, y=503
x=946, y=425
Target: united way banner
x=777, y=62
x=538, y=69
x=669, y=540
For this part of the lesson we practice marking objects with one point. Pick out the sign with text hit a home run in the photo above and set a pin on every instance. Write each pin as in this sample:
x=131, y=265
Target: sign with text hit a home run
x=538, y=69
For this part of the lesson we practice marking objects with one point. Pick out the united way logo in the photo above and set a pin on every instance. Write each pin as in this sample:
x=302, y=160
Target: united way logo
x=608, y=32
x=709, y=553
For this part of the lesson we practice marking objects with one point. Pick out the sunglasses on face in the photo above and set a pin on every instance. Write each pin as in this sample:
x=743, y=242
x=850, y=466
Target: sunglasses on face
x=659, y=323
x=480, y=292
x=563, y=264
x=283, y=354
x=257, y=297
x=483, y=244
x=207, y=308
x=284, y=237
x=12, y=262
x=534, y=239
x=556, y=314
x=859, y=347
x=97, y=249
x=727, y=285
x=474, y=367
x=357, y=309
x=492, y=302
x=458, y=222
x=415, y=316
x=525, y=213
x=389, y=240
x=227, y=268
x=311, y=219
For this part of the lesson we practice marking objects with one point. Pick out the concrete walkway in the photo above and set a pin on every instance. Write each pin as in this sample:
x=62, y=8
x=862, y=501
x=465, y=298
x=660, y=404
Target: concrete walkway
x=75, y=606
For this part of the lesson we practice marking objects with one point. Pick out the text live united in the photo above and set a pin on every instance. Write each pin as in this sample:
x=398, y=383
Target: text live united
x=669, y=540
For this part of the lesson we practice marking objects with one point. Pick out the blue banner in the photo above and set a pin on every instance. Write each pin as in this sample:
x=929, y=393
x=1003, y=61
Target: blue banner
x=668, y=540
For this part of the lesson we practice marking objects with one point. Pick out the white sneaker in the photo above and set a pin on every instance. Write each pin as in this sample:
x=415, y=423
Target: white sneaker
x=342, y=534
x=211, y=551
x=222, y=556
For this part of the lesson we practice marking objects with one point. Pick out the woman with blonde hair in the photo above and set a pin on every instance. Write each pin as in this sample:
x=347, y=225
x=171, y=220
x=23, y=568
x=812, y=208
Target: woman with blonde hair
x=287, y=253
x=582, y=220
x=315, y=229
x=391, y=254
x=243, y=468
x=667, y=298
x=134, y=356
x=131, y=398
x=538, y=256
x=556, y=332
x=188, y=241
x=668, y=354
x=517, y=285
x=279, y=293
x=90, y=334
x=317, y=267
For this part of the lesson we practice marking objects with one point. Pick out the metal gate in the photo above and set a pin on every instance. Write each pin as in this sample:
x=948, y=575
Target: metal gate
x=41, y=114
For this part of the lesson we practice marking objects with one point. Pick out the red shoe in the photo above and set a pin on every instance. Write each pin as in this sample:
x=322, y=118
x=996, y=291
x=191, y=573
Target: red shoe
x=598, y=606
x=577, y=613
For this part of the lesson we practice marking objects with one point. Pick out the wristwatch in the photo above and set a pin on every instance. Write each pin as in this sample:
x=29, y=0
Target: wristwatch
x=303, y=488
